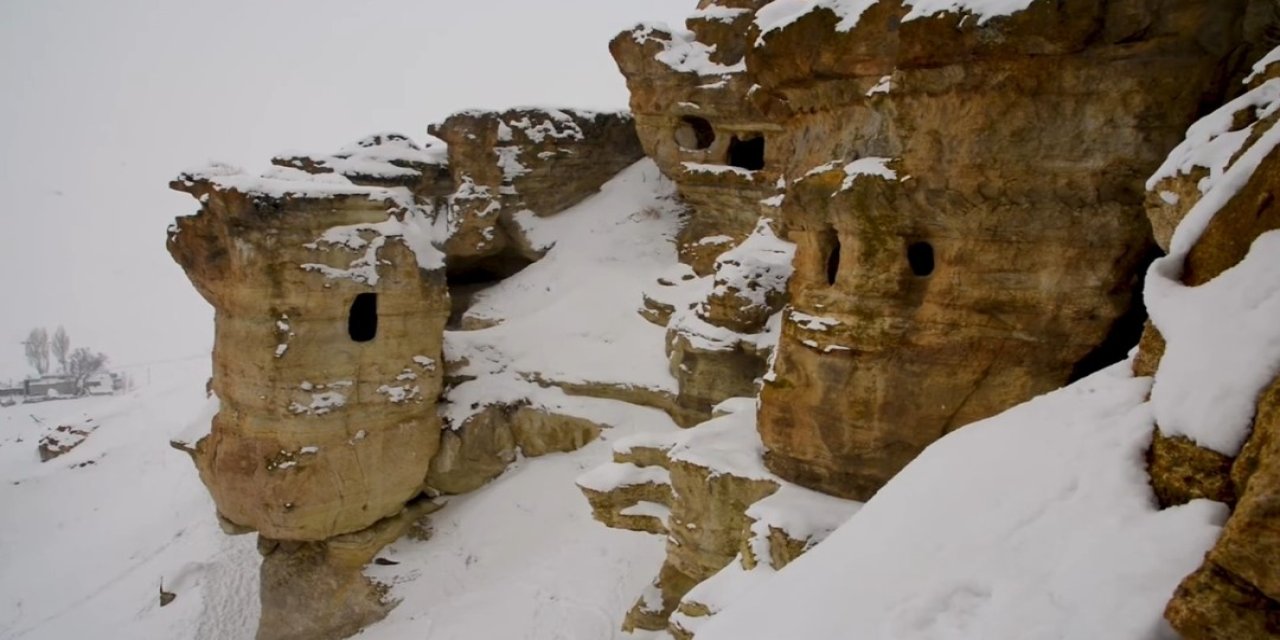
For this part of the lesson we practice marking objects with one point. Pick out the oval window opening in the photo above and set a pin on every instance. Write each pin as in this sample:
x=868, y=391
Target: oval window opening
x=695, y=133
x=920, y=257
x=833, y=263
x=362, y=321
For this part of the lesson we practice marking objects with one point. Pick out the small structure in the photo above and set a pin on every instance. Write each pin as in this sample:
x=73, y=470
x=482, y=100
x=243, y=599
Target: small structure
x=49, y=387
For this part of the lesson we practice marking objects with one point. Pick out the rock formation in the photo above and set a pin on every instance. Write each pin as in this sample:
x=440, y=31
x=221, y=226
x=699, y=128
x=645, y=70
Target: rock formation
x=964, y=194
x=706, y=490
x=1218, y=190
x=330, y=278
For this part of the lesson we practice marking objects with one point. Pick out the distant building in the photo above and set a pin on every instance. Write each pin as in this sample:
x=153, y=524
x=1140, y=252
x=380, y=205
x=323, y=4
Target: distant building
x=101, y=384
x=11, y=395
x=49, y=388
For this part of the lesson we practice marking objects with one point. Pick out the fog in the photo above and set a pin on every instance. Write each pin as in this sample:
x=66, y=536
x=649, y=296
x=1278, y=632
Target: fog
x=104, y=102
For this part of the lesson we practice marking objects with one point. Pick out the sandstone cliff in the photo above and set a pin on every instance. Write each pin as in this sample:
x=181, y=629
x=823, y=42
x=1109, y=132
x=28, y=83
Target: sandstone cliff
x=330, y=277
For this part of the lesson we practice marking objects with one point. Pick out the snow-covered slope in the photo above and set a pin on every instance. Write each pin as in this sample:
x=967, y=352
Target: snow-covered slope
x=89, y=536
x=1036, y=524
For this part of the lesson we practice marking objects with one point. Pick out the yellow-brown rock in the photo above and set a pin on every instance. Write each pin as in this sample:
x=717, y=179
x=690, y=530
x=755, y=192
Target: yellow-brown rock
x=318, y=591
x=329, y=316
x=705, y=490
x=966, y=201
x=523, y=162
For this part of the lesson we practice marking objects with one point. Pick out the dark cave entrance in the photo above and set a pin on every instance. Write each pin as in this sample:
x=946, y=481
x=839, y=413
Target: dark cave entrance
x=833, y=260
x=362, y=319
x=1125, y=332
x=467, y=278
x=747, y=154
x=920, y=258
x=695, y=133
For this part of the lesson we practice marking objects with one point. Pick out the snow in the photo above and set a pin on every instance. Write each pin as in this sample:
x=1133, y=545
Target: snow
x=728, y=444
x=985, y=10
x=878, y=167
x=571, y=317
x=760, y=265
x=780, y=13
x=717, y=13
x=682, y=52
x=522, y=557
x=1212, y=143
x=90, y=536
x=716, y=169
x=614, y=475
x=1223, y=343
x=883, y=85
x=1260, y=67
x=1034, y=524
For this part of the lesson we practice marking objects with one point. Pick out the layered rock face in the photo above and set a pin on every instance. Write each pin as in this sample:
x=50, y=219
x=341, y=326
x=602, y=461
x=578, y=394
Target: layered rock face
x=523, y=162
x=1217, y=405
x=728, y=521
x=328, y=278
x=326, y=353
x=964, y=193
x=330, y=310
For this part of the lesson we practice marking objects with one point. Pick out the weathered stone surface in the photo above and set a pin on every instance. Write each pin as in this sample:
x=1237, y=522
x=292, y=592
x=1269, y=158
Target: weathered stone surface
x=328, y=331
x=317, y=590
x=482, y=447
x=980, y=232
x=537, y=160
x=698, y=488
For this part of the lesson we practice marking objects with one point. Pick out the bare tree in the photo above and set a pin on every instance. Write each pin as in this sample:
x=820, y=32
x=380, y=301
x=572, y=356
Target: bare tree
x=37, y=348
x=82, y=364
x=61, y=345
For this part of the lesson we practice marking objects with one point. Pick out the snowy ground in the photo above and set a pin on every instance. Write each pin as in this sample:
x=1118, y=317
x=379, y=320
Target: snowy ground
x=1036, y=524
x=89, y=536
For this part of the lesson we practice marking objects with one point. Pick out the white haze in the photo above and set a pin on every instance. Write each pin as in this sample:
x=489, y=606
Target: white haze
x=104, y=102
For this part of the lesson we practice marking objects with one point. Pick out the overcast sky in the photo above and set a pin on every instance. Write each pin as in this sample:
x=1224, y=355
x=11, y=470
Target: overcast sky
x=104, y=102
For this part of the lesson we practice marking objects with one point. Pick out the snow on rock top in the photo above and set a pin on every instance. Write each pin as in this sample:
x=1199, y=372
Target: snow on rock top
x=717, y=13
x=1223, y=341
x=681, y=50
x=286, y=184
x=1036, y=524
x=1260, y=67
x=1213, y=142
x=780, y=13
x=984, y=10
x=728, y=444
x=1223, y=347
x=760, y=265
x=878, y=167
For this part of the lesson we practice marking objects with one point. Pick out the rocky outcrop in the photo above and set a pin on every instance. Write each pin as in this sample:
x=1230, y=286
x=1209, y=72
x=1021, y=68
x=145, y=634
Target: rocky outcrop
x=708, y=493
x=523, y=162
x=329, y=316
x=330, y=276
x=64, y=438
x=1212, y=204
x=964, y=193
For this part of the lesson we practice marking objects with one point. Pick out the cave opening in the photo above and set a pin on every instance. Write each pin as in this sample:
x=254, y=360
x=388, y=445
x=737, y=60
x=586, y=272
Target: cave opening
x=1125, y=332
x=747, y=154
x=833, y=261
x=920, y=258
x=467, y=278
x=695, y=133
x=362, y=319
